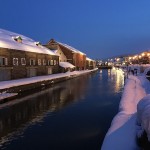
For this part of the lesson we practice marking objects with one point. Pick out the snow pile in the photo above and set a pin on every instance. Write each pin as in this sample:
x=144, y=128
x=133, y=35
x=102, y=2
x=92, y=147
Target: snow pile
x=140, y=68
x=146, y=70
x=144, y=115
x=135, y=67
x=66, y=65
x=122, y=133
x=132, y=94
x=27, y=44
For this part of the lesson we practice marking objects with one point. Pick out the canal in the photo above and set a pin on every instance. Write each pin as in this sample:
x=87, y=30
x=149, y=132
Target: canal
x=71, y=115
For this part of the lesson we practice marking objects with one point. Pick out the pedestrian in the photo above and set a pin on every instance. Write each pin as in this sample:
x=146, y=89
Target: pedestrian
x=129, y=70
x=135, y=71
x=132, y=72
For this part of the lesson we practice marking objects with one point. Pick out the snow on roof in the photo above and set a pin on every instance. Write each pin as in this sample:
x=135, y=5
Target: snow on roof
x=7, y=40
x=71, y=48
x=89, y=59
x=55, y=51
x=66, y=65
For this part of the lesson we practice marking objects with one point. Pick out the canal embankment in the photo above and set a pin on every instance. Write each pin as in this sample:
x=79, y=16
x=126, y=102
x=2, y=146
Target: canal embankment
x=11, y=88
x=122, y=134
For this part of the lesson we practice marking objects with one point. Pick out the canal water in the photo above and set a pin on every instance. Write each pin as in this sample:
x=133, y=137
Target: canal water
x=71, y=115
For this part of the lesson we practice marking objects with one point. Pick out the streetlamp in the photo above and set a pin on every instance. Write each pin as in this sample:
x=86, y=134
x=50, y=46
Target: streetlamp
x=127, y=64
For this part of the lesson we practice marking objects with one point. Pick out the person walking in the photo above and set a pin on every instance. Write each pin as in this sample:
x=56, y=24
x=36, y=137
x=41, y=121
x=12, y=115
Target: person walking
x=135, y=71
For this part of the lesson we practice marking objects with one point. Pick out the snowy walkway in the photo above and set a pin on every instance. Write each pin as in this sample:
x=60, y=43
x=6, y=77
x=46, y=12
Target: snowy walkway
x=123, y=130
x=25, y=81
x=11, y=83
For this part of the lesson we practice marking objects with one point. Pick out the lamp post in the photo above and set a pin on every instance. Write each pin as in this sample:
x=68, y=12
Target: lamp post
x=127, y=64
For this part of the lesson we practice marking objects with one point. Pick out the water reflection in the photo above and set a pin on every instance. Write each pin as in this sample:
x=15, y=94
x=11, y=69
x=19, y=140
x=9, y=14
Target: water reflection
x=113, y=76
x=119, y=77
x=15, y=116
x=72, y=115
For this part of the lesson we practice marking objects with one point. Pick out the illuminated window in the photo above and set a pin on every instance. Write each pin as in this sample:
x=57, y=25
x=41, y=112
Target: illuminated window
x=52, y=62
x=15, y=61
x=23, y=61
x=39, y=62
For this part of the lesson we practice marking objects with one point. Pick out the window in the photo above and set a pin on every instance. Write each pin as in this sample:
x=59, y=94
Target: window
x=44, y=62
x=18, y=39
x=15, y=61
x=32, y=62
x=48, y=62
x=38, y=44
x=23, y=61
x=39, y=62
x=52, y=63
x=3, y=61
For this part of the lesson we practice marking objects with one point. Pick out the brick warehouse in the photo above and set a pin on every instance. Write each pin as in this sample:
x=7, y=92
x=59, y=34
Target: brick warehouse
x=74, y=56
x=22, y=57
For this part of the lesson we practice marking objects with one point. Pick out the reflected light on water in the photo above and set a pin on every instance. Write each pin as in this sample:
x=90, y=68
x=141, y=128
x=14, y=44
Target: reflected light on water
x=119, y=77
x=73, y=113
x=32, y=109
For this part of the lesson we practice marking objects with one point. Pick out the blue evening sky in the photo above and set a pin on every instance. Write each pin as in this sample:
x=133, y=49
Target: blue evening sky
x=99, y=28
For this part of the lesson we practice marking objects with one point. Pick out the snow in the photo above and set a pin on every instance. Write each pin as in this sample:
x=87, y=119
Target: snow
x=71, y=48
x=7, y=95
x=145, y=67
x=7, y=41
x=25, y=81
x=89, y=59
x=146, y=70
x=144, y=115
x=55, y=51
x=66, y=65
x=124, y=128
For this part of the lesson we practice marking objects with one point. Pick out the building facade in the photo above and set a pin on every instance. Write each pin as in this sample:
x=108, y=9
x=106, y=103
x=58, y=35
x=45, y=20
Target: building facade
x=90, y=64
x=24, y=58
x=73, y=56
x=59, y=52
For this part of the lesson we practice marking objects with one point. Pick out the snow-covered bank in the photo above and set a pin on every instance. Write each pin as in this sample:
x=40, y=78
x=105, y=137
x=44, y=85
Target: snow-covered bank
x=12, y=83
x=7, y=95
x=42, y=80
x=123, y=130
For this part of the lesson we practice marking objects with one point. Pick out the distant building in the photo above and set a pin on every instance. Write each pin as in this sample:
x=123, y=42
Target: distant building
x=90, y=64
x=22, y=57
x=73, y=56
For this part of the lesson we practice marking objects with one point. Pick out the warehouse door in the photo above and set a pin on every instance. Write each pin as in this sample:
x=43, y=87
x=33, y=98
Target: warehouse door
x=31, y=72
x=5, y=74
x=49, y=70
